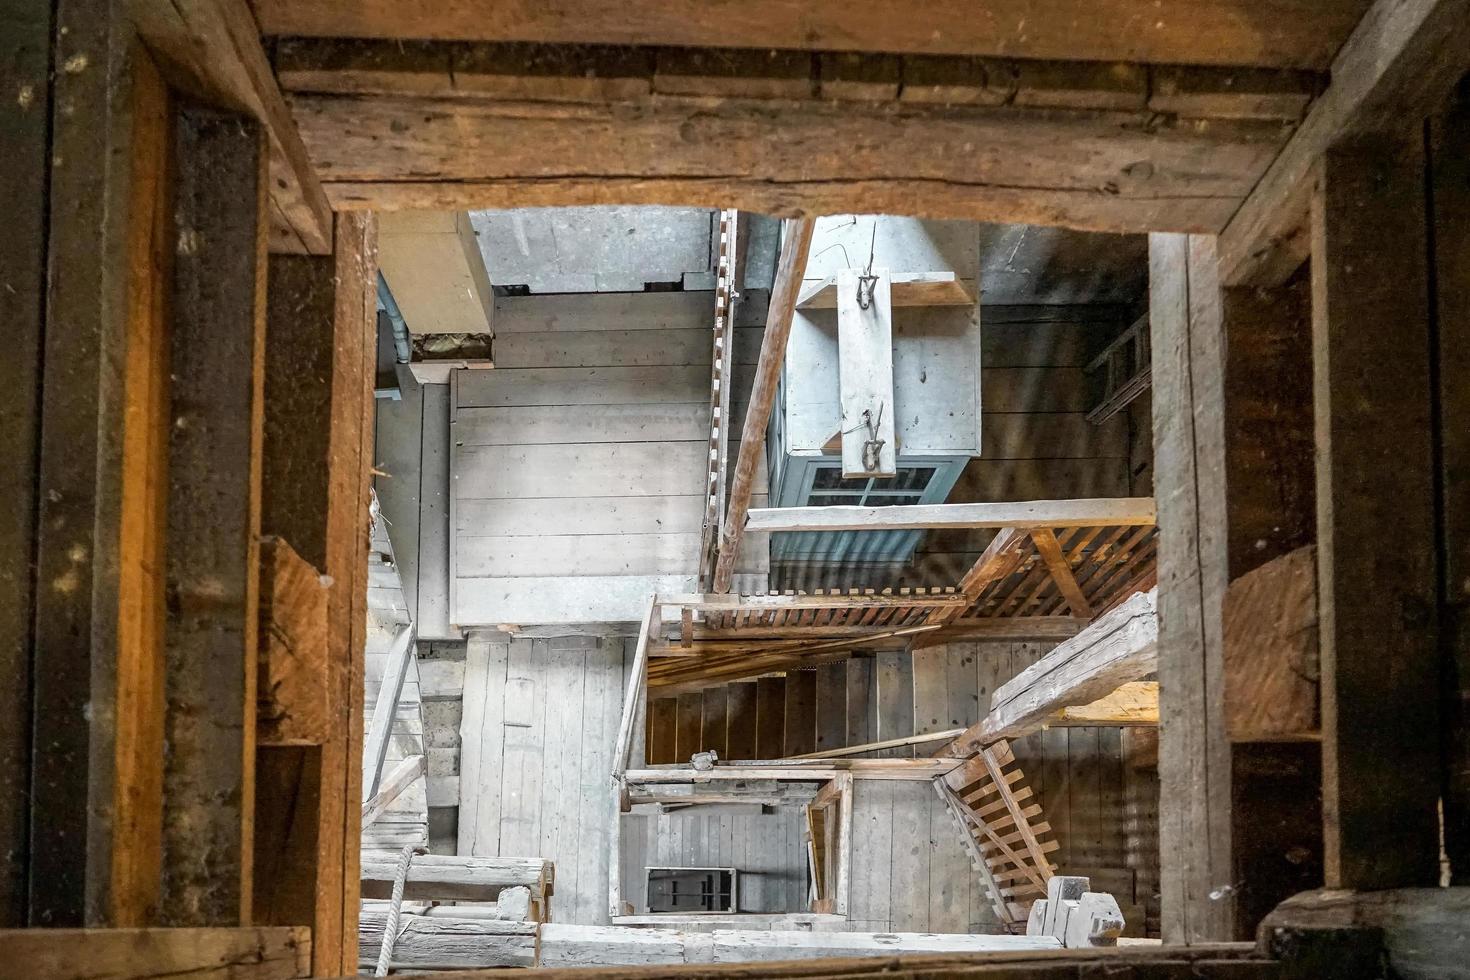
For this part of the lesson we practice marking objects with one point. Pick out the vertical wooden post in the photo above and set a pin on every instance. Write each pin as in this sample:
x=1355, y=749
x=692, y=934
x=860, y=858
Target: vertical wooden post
x=218, y=347
x=25, y=67
x=1450, y=189
x=318, y=443
x=1376, y=549
x=1194, y=754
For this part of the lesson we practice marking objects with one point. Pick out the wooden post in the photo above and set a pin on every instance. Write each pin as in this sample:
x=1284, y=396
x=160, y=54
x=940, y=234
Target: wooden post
x=1450, y=190
x=1194, y=754
x=1376, y=550
x=211, y=640
x=318, y=431
x=796, y=243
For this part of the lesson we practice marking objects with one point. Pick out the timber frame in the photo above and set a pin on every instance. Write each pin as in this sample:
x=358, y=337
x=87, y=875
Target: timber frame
x=155, y=152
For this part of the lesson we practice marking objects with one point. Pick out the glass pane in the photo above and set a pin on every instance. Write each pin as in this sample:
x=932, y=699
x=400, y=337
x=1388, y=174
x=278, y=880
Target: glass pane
x=830, y=478
x=891, y=500
x=834, y=500
x=908, y=478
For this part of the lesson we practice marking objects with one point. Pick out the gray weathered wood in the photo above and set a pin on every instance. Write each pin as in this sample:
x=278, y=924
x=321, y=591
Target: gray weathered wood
x=1021, y=514
x=1194, y=754
x=441, y=877
x=440, y=943
x=392, y=786
x=865, y=373
x=380, y=728
x=1425, y=930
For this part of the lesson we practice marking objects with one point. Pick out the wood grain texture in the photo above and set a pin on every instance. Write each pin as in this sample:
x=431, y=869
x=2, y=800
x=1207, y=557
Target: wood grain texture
x=212, y=50
x=1375, y=476
x=1398, y=64
x=1294, y=34
x=260, y=953
x=1194, y=759
x=214, y=513
x=1011, y=164
x=1271, y=661
x=293, y=702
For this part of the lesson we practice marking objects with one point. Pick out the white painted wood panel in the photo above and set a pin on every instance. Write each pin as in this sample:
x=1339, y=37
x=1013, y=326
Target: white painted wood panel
x=584, y=470
x=583, y=386
x=553, y=424
x=624, y=554
x=582, y=515
x=593, y=599
x=604, y=311
x=620, y=348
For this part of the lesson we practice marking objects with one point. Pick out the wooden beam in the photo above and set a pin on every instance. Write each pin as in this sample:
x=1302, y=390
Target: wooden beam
x=1133, y=704
x=1271, y=650
x=637, y=681
x=1293, y=35
x=1373, y=402
x=214, y=511
x=1120, y=647
x=805, y=770
x=1012, y=163
x=1060, y=571
x=250, y=953
x=892, y=743
x=1094, y=512
x=293, y=702
x=1399, y=63
x=400, y=778
x=1418, y=933
x=380, y=729
x=796, y=243
x=865, y=374
x=459, y=878
x=443, y=943
x=906, y=289
x=212, y=49
x=999, y=559
x=1194, y=753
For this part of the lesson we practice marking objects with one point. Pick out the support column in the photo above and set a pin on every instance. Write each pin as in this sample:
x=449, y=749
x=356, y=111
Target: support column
x=1189, y=452
x=320, y=365
x=1377, y=549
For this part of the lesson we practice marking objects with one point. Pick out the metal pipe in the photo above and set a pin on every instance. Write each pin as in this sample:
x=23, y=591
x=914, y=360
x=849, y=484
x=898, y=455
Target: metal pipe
x=402, y=345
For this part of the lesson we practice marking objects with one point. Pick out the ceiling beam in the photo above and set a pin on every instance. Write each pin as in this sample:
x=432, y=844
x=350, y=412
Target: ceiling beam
x=1401, y=61
x=1282, y=34
x=1083, y=512
x=211, y=48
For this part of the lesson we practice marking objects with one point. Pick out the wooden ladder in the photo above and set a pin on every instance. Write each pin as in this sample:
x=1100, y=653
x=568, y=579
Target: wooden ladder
x=1006, y=837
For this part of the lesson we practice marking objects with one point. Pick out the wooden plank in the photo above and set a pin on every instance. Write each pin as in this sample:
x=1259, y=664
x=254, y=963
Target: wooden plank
x=831, y=707
x=1060, y=571
x=1271, y=650
x=662, y=720
x=25, y=51
x=862, y=712
x=433, y=266
x=314, y=493
x=660, y=553
x=688, y=726
x=800, y=717
x=908, y=289
x=712, y=736
x=581, y=516
x=770, y=715
x=599, y=346
x=212, y=49
x=1120, y=647
x=437, y=511
x=402, y=152
x=1450, y=175
x=1398, y=64
x=443, y=943
x=865, y=373
x=1194, y=758
x=796, y=240
x=741, y=724
x=249, y=953
x=1379, y=732
x=214, y=513
x=393, y=785
x=580, y=470
x=1023, y=514
x=1296, y=35
x=557, y=424
x=894, y=676
x=634, y=698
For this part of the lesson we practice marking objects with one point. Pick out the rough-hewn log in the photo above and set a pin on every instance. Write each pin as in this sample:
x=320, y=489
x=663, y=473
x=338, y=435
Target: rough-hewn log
x=1120, y=647
x=1298, y=34
x=1401, y=60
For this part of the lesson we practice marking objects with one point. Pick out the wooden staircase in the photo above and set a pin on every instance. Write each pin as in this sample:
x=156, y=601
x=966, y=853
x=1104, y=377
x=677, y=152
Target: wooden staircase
x=1005, y=834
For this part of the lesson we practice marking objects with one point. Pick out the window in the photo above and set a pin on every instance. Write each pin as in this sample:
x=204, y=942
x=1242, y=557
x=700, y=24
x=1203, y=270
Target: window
x=690, y=890
x=907, y=486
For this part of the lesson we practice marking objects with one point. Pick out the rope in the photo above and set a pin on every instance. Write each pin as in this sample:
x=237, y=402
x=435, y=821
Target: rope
x=390, y=927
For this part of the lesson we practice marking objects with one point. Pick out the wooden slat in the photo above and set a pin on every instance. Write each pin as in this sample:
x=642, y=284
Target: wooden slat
x=213, y=49
x=1060, y=571
x=214, y=519
x=1296, y=34
x=385, y=708
x=796, y=242
x=1021, y=514
x=1398, y=64
x=635, y=695
x=1379, y=728
x=393, y=784
x=251, y=953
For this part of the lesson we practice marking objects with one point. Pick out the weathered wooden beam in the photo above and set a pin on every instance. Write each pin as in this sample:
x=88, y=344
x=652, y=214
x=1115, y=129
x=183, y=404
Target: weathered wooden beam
x=1420, y=932
x=747, y=638
x=892, y=743
x=1119, y=648
x=447, y=877
x=399, y=778
x=1271, y=641
x=211, y=48
x=1093, y=512
x=212, y=644
x=796, y=243
x=1134, y=703
x=442, y=943
x=1400, y=61
x=797, y=770
x=1375, y=496
x=764, y=793
x=634, y=696
x=1060, y=571
x=1194, y=753
x=1294, y=35
x=293, y=704
x=249, y=953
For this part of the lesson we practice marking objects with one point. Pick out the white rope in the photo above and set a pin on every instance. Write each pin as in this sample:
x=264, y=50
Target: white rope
x=390, y=927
